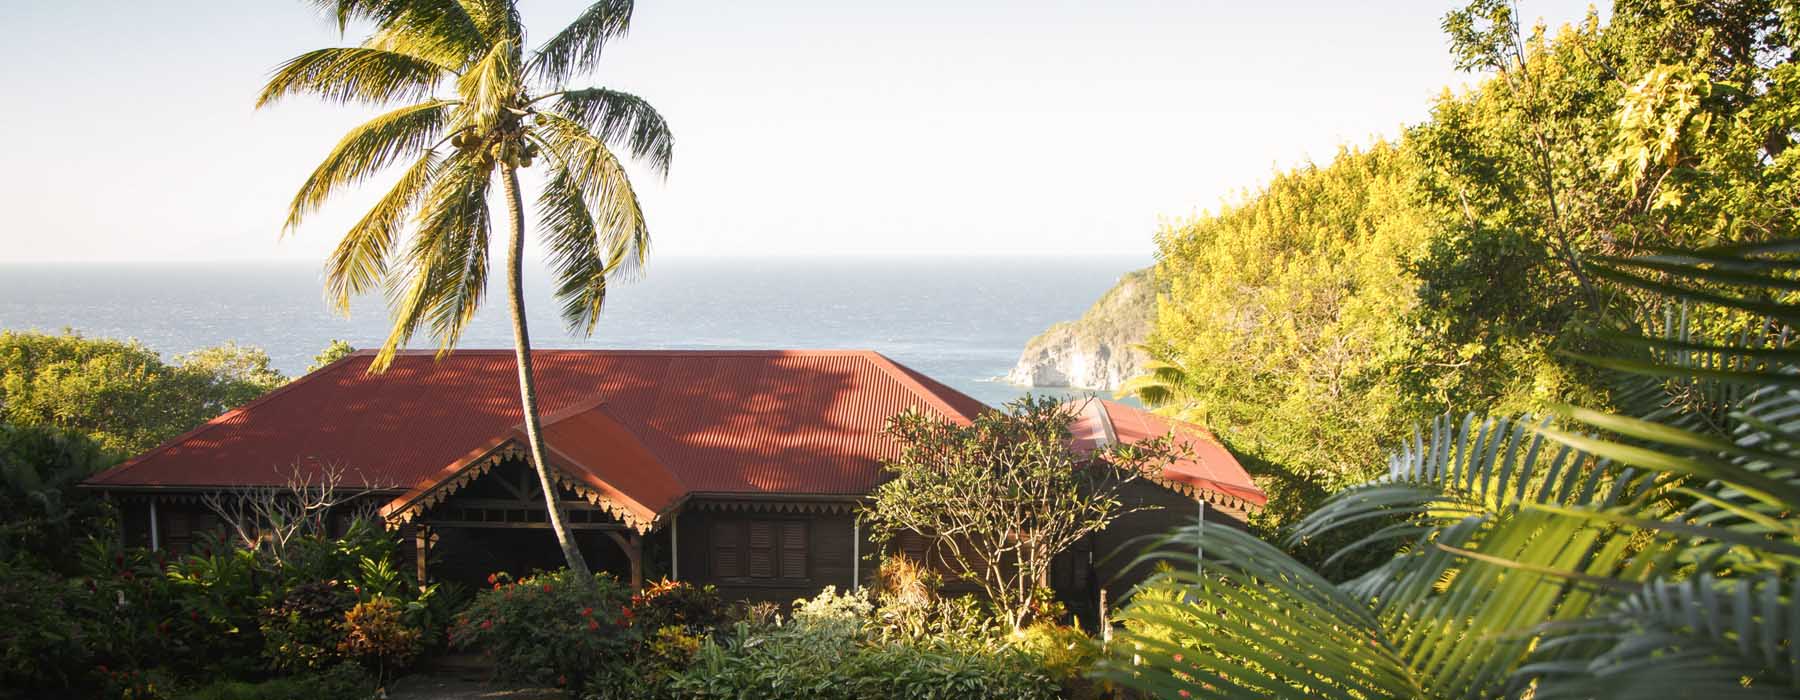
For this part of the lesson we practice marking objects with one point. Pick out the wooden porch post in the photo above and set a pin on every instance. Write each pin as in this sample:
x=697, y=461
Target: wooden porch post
x=633, y=545
x=636, y=553
x=421, y=543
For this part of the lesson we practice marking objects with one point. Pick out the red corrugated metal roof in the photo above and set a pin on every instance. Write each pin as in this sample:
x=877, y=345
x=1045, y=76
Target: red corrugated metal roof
x=1207, y=467
x=643, y=428
x=804, y=422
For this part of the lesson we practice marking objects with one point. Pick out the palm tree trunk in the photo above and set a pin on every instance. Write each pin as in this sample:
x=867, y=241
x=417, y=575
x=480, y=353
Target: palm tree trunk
x=515, y=295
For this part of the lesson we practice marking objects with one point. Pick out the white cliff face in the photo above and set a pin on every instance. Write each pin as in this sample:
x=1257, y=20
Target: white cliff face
x=1097, y=351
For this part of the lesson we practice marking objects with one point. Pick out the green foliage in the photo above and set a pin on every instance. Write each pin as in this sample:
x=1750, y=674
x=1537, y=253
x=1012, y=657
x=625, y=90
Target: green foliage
x=1586, y=554
x=827, y=651
x=375, y=633
x=42, y=643
x=145, y=618
x=1001, y=497
x=1283, y=326
x=42, y=513
x=341, y=682
x=301, y=629
x=469, y=101
x=586, y=632
x=121, y=394
x=337, y=350
x=1326, y=315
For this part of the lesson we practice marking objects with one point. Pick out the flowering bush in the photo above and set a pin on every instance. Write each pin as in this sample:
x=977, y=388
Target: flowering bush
x=554, y=628
x=148, y=622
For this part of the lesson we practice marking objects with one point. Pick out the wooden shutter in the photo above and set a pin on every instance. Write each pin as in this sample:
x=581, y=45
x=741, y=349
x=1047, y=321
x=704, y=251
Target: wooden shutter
x=793, y=549
x=762, y=549
x=728, y=561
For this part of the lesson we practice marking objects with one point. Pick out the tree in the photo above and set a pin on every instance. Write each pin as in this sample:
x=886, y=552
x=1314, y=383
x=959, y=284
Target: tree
x=119, y=393
x=1283, y=322
x=505, y=108
x=337, y=350
x=1315, y=323
x=271, y=518
x=1000, y=498
x=1583, y=554
x=42, y=514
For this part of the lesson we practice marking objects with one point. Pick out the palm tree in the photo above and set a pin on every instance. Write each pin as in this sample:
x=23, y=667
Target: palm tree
x=426, y=239
x=1649, y=552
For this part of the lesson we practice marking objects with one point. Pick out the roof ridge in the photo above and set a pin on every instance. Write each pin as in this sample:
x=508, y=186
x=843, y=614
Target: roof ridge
x=900, y=374
x=218, y=420
x=710, y=352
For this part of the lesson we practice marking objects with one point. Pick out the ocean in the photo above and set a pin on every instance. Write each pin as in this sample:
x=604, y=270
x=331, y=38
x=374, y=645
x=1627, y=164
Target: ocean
x=961, y=320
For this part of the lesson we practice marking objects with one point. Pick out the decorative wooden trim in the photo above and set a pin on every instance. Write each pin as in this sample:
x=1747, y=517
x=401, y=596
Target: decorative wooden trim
x=475, y=470
x=1215, y=497
x=510, y=451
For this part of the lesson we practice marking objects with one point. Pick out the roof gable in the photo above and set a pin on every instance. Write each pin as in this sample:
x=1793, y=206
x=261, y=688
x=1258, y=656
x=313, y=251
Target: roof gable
x=1207, y=468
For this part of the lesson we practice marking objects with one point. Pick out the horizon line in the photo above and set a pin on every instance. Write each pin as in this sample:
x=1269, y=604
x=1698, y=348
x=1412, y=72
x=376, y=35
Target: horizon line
x=1115, y=252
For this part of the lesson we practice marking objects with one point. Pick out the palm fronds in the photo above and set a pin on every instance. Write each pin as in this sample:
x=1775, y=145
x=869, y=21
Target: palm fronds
x=621, y=119
x=354, y=74
x=368, y=149
x=424, y=239
x=359, y=264
x=445, y=271
x=577, y=47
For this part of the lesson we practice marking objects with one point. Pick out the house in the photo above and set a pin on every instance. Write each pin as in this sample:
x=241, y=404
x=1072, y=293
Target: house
x=744, y=469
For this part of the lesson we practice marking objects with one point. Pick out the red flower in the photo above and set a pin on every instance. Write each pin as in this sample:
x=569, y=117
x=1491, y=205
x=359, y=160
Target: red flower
x=593, y=625
x=494, y=579
x=587, y=612
x=626, y=611
x=546, y=588
x=1186, y=694
x=487, y=624
x=1177, y=658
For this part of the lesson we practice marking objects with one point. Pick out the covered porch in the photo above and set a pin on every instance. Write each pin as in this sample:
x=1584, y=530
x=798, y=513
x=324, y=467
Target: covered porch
x=491, y=517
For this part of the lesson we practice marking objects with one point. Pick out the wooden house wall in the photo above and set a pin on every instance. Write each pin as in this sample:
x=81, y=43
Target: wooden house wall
x=830, y=553
x=1114, y=547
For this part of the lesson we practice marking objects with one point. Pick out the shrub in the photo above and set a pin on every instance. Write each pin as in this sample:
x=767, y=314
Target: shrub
x=679, y=604
x=375, y=634
x=133, y=684
x=554, y=628
x=1065, y=654
x=41, y=647
x=802, y=663
x=302, y=630
x=834, y=647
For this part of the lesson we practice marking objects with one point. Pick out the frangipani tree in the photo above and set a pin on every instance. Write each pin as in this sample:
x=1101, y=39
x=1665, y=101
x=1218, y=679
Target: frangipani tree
x=473, y=104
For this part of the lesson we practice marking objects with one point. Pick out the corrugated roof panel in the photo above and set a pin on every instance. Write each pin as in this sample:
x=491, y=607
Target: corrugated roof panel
x=723, y=421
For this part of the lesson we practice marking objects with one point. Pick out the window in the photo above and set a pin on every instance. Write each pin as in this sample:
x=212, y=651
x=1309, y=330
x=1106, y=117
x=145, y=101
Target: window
x=759, y=550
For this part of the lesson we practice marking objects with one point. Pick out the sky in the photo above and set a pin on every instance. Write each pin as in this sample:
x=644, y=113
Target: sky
x=817, y=127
